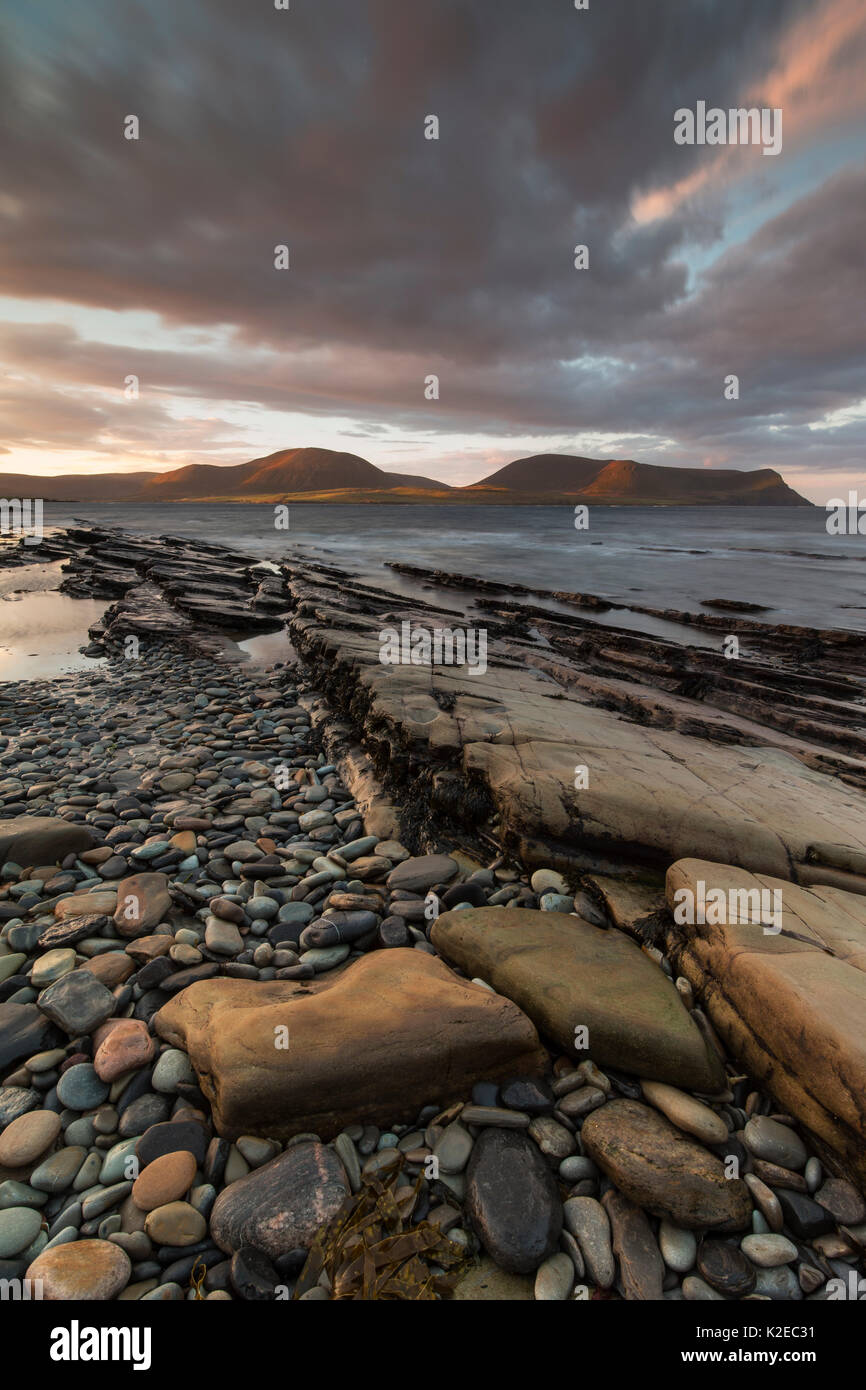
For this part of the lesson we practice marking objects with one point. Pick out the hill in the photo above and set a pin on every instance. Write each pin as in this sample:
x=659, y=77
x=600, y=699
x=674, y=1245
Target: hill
x=623, y=481
x=329, y=475
x=282, y=473
x=543, y=473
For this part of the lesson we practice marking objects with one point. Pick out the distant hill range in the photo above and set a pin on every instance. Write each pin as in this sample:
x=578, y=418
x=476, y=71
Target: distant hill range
x=324, y=475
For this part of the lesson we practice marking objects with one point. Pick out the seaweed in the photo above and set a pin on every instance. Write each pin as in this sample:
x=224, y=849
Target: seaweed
x=370, y=1250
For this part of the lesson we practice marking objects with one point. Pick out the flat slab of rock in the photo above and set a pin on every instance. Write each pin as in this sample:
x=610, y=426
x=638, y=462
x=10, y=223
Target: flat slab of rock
x=670, y=796
x=280, y=1206
x=369, y=1044
x=658, y=1168
x=31, y=840
x=565, y=973
x=791, y=1005
x=654, y=794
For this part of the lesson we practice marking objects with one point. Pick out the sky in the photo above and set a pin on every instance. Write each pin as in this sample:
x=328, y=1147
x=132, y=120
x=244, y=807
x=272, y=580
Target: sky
x=411, y=258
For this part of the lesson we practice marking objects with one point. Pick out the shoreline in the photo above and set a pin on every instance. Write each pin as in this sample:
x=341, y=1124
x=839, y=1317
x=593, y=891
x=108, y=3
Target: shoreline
x=300, y=839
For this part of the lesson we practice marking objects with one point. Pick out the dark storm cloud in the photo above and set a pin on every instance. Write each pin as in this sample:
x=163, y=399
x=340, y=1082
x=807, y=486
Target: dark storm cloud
x=260, y=126
x=411, y=256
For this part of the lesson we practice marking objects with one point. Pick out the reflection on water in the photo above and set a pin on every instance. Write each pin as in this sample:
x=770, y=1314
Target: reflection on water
x=266, y=648
x=40, y=630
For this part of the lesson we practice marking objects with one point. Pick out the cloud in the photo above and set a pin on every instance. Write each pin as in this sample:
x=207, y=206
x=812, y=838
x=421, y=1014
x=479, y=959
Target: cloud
x=411, y=257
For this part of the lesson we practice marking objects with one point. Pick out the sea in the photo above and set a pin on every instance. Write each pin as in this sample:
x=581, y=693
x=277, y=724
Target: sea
x=659, y=557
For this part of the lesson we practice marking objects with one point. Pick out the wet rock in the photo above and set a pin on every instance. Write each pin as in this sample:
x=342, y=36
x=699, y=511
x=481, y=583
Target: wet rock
x=166, y=1179
x=804, y=1216
x=71, y=929
x=19, y=1227
x=774, y=1142
x=789, y=1005
x=769, y=1251
x=532, y=1095
x=253, y=1276
x=127, y=1046
x=554, y=1280
x=844, y=1203
x=686, y=1113
x=15, y=1101
x=175, y=1224
x=172, y=1136
x=80, y=1088
x=679, y=1248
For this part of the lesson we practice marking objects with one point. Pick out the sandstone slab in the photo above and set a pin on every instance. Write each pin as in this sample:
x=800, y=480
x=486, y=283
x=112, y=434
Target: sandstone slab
x=656, y=794
x=789, y=1004
x=369, y=1044
x=564, y=973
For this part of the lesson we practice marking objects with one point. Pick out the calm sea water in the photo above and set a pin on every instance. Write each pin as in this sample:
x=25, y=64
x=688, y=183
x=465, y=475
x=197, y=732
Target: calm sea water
x=661, y=557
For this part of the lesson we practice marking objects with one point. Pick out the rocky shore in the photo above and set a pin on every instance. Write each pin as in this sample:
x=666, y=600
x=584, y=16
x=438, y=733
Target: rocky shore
x=333, y=980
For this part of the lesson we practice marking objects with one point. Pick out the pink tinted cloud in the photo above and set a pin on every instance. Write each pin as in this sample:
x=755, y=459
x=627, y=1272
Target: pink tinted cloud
x=816, y=81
